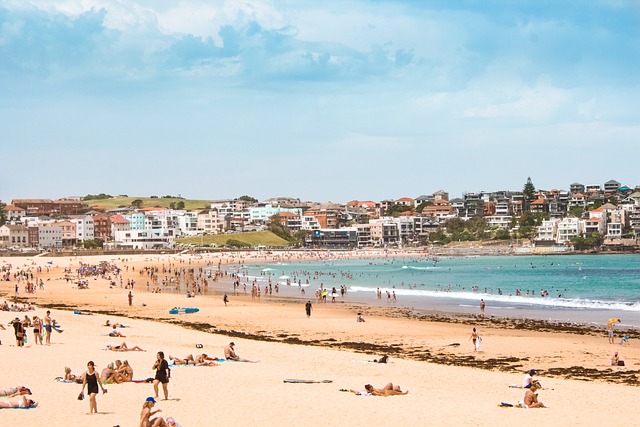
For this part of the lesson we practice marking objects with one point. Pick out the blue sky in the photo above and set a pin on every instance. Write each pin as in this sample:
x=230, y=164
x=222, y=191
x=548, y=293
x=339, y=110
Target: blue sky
x=326, y=101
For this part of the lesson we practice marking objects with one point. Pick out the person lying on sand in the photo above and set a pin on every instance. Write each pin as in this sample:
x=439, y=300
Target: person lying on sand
x=387, y=390
x=123, y=347
x=14, y=391
x=115, y=333
x=199, y=360
x=18, y=403
x=383, y=359
x=230, y=354
x=115, y=325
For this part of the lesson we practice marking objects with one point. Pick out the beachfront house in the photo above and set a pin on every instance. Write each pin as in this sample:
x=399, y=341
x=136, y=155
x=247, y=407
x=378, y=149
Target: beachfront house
x=14, y=236
x=568, y=228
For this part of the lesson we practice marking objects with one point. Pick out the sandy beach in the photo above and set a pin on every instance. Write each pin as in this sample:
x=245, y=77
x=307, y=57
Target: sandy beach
x=431, y=357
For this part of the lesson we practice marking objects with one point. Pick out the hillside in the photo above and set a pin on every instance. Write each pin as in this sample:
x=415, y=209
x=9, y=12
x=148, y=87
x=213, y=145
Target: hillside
x=148, y=202
x=255, y=238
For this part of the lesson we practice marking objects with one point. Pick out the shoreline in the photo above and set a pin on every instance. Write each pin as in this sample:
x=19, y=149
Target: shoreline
x=430, y=355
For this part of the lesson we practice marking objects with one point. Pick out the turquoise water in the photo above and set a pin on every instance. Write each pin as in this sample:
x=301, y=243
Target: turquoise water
x=580, y=287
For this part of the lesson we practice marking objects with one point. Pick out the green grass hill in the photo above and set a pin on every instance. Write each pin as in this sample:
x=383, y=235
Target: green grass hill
x=254, y=238
x=149, y=202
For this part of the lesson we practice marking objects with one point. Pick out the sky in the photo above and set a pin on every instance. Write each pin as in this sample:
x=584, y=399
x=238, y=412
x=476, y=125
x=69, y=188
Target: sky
x=324, y=101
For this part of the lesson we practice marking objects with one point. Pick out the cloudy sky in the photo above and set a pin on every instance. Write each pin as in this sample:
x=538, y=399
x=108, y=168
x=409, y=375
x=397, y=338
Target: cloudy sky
x=322, y=100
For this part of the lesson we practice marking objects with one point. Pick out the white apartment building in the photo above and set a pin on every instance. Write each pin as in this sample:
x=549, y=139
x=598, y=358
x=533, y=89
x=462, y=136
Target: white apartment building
x=12, y=235
x=547, y=230
x=499, y=221
x=261, y=215
x=188, y=224
x=569, y=228
x=310, y=223
x=84, y=227
x=363, y=233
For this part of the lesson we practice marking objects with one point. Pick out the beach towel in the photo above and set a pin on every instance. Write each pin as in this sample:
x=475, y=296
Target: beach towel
x=299, y=381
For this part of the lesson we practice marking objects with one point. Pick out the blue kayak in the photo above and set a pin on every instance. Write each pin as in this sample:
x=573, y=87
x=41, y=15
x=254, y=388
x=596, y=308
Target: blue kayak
x=182, y=310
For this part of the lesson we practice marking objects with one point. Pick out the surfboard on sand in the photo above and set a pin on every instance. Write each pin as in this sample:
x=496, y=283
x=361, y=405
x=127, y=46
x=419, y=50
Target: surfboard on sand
x=478, y=343
x=299, y=381
x=183, y=310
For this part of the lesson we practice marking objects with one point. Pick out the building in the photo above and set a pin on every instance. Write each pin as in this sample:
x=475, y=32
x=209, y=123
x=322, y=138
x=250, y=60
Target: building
x=102, y=228
x=85, y=229
x=50, y=236
x=14, y=236
x=51, y=207
x=333, y=238
x=14, y=213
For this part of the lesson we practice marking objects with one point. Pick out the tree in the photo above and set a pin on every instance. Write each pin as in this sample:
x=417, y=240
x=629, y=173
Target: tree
x=576, y=211
x=423, y=205
x=277, y=228
x=529, y=192
x=180, y=205
x=3, y=217
x=137, y=203
x=589, y=242
x=248, y=199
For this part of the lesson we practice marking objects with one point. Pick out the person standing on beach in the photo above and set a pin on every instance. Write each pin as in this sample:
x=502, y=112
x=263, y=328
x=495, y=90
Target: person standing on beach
x=225, y=299
x=307, y=308
x=482, y=304
x=130, y=299
x=610, y=325
x=91, y=379
x=162, y=374
x=48, y=328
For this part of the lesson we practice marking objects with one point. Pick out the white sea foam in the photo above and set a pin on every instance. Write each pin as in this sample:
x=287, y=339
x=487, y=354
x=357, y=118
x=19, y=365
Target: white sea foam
x=576, y=303
x=411, y=267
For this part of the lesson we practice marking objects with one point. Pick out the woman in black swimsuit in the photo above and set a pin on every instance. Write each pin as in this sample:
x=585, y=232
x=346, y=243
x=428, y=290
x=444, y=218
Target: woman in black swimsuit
x=162, y=374
x=92, y=380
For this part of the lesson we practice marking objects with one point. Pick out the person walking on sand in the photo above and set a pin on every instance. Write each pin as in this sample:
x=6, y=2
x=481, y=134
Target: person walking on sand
x=482, y=304
x=225, y=299
x=474, y=337
x=91, y=379
x=307, y=308
x=162, y=374
x=130, y=296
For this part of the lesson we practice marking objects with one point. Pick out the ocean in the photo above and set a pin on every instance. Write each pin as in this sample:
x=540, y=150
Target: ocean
x=577, y=288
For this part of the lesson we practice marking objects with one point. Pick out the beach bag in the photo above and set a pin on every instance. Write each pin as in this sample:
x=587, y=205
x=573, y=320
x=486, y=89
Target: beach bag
x=620, y=362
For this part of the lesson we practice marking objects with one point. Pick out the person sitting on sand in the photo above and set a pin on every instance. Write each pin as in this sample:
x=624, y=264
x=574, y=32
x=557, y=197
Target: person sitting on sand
x=145, y=415
x=230, y=354
x=531, y=397
x=359, y=318
x=115, y=333
x=528, y=379
x=125, y=372
x=68, y=376
x=615, y=360
x=18, y=403
x=108, y=374
x=14, y=391
x=624, y=340
x=123, y=347
x=387, y=390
